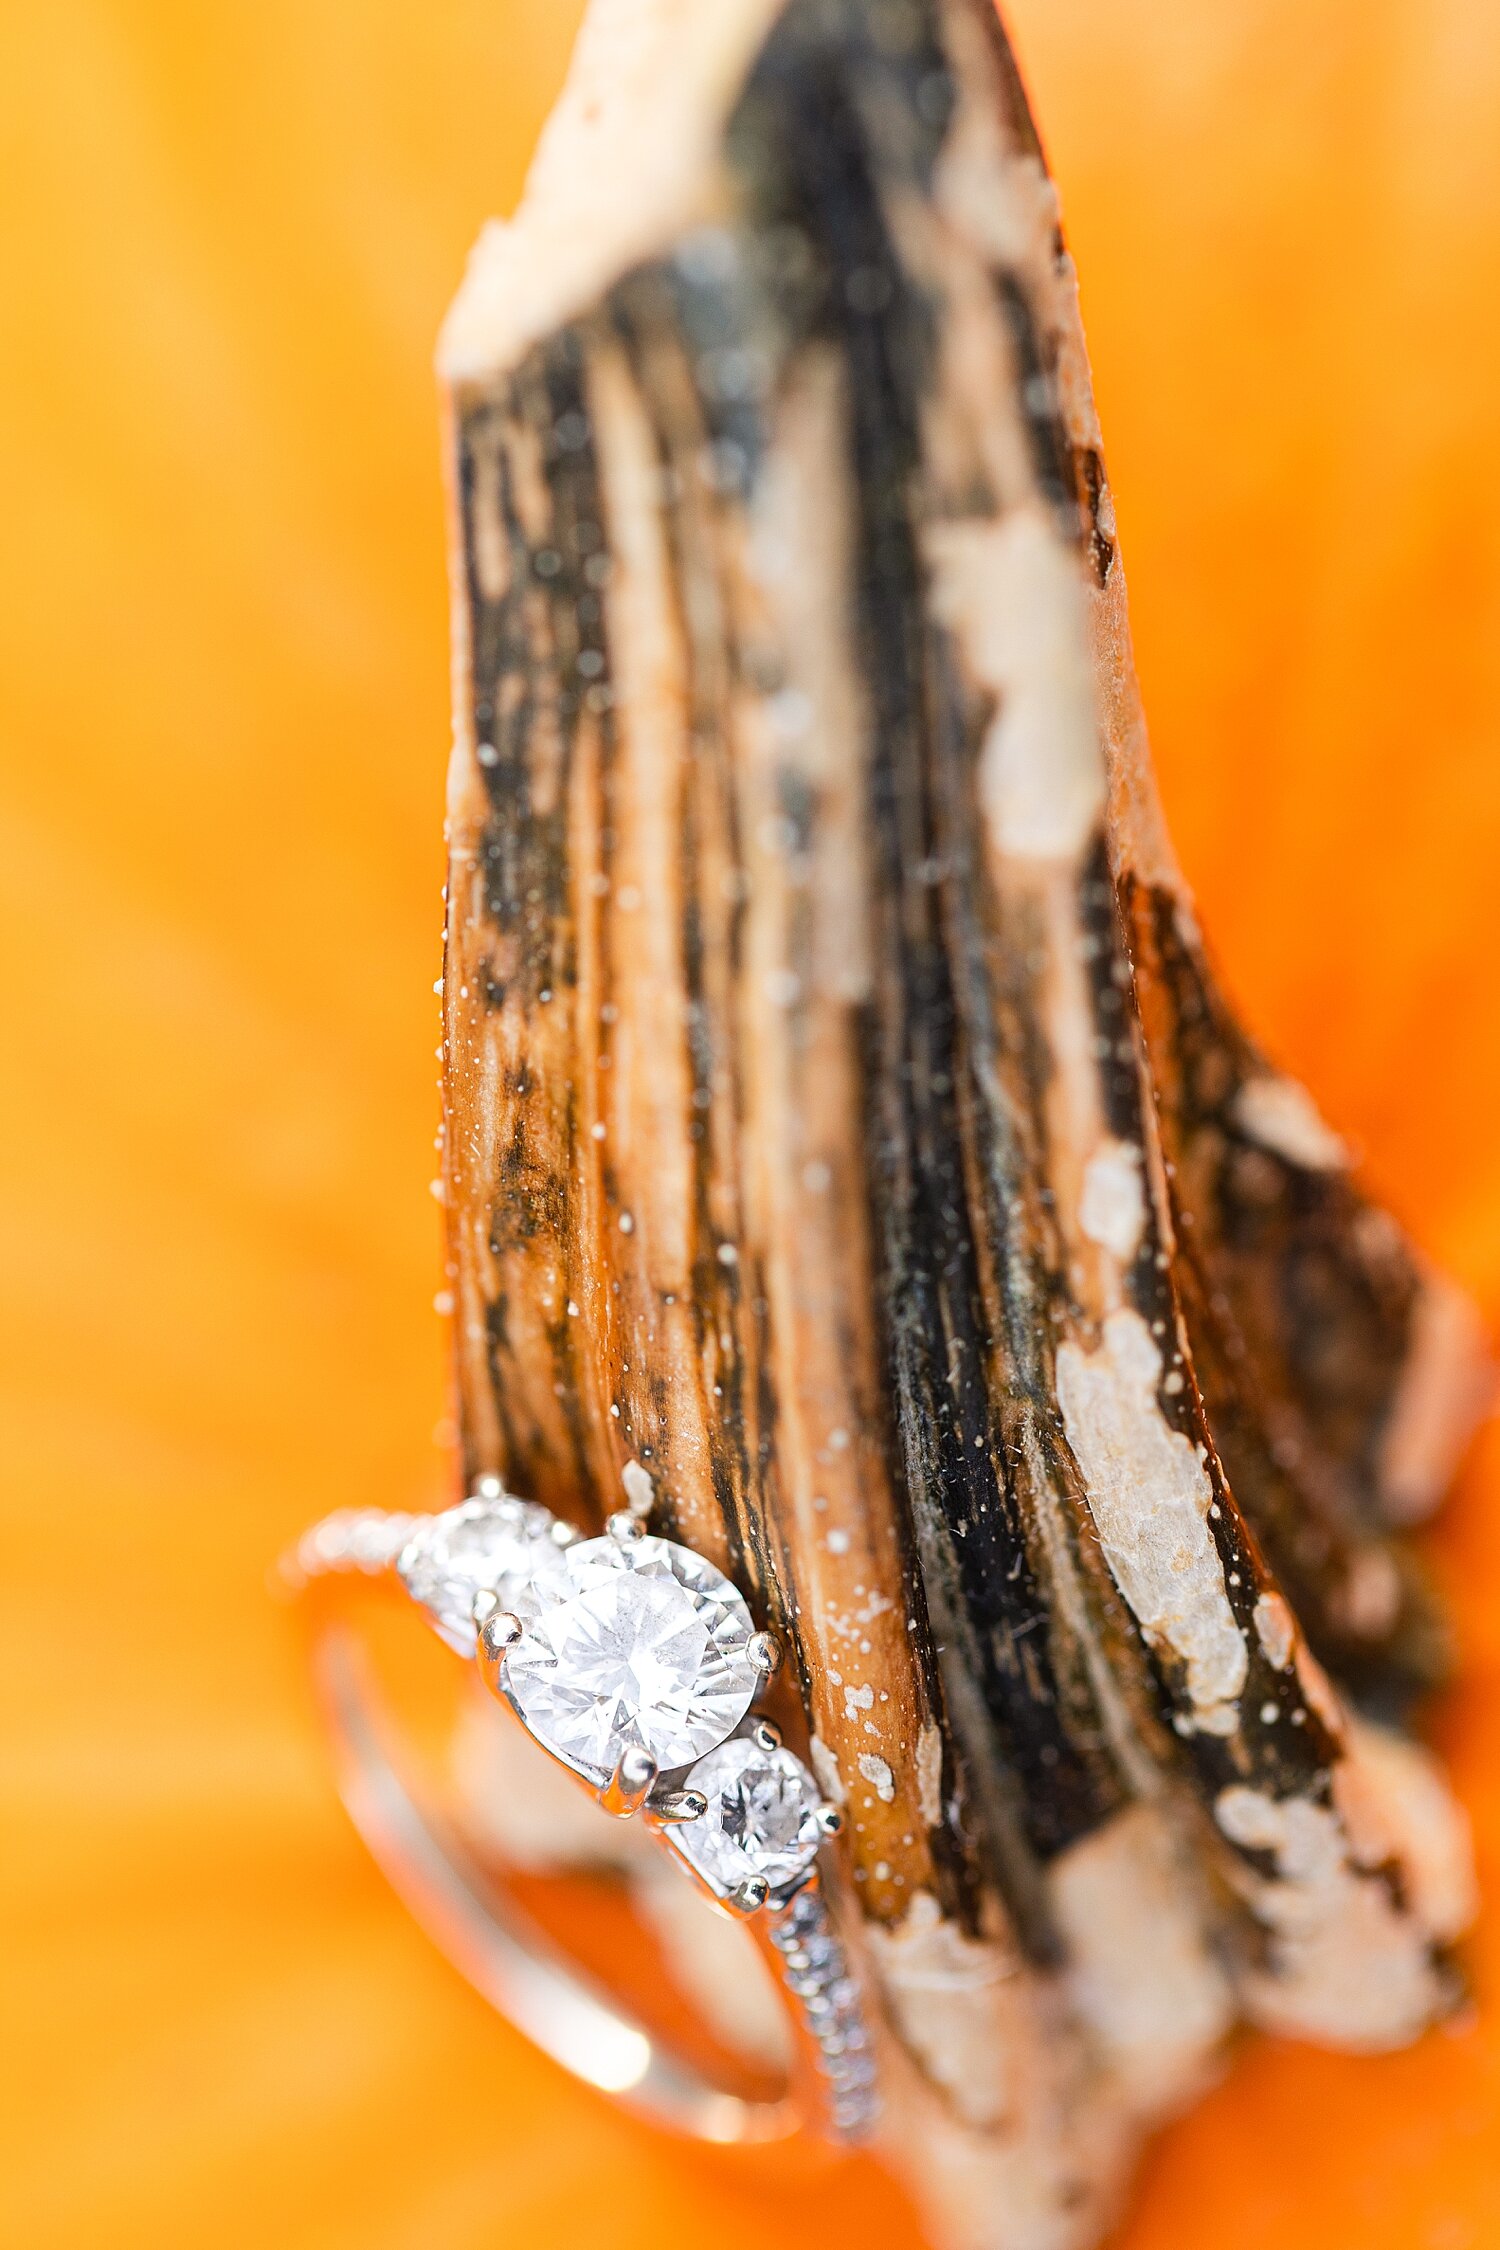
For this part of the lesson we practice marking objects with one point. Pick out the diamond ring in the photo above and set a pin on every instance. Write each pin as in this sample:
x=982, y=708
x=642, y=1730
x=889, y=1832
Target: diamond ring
x=636, y=1666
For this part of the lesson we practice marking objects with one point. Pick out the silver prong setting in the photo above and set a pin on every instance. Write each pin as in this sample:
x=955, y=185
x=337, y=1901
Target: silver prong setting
x=498, y=1631
x=678, y=1805
x=625, y=1526
x=829, y=1819
x=766, y=1735
x=750, y=1896
x=630, y=1784
x=765, y=1654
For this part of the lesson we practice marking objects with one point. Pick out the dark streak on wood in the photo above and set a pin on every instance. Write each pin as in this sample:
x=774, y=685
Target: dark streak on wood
x=1301, y=1301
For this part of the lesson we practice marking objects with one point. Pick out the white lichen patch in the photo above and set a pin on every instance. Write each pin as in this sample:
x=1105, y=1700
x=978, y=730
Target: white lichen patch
x=1347, y=1965
x=854, y=1621
x=1275, y=1629
x=1149, y=1495
x=639, y=1490
x=1322, y=1696
x=1009, y=593
x=1112, y=1210
x=1140, y=1968
x=1392, y=1797
x=625, y=164
x=1282, y=1116
x=948, y=1994
x=995, y=195
x=930, y=1774
x=879, y=1775
x=826, y=1766
x=813, y=733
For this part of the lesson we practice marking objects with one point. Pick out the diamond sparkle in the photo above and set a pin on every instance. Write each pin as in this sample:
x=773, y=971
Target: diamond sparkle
x=627, y=1644
x=761, y=1817
x=483, y=1546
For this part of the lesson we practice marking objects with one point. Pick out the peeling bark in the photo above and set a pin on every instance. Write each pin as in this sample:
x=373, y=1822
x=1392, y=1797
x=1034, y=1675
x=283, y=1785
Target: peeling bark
x=844, y=1132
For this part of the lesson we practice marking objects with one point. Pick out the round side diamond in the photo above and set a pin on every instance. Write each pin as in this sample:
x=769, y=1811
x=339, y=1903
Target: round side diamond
x=484, y=1546
x=761, y=1817
x=630, y=1644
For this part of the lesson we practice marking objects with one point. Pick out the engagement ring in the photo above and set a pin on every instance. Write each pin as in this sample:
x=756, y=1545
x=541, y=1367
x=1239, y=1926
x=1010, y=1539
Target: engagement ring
x=636, y=1666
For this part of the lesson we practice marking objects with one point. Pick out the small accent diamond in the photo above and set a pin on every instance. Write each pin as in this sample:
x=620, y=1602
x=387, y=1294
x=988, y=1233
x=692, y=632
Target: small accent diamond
x=761, y=1817
x=631, y=1643
x=484, y=1546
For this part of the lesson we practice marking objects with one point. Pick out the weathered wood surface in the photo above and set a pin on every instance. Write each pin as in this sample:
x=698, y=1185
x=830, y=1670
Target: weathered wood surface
x=843, y=1124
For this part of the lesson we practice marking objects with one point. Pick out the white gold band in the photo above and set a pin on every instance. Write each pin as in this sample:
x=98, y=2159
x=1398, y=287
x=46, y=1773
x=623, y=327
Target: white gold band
x=597, y=1617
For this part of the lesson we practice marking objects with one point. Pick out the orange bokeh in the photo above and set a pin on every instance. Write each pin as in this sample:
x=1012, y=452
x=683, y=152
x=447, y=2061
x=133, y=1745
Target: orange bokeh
x=228, y=235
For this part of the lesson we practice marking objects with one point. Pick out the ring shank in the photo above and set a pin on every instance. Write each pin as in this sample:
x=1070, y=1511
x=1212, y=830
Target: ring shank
x=468, y=1912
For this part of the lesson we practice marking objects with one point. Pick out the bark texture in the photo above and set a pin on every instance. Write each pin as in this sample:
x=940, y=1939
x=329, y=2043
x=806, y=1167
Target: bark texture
x=843, y=1125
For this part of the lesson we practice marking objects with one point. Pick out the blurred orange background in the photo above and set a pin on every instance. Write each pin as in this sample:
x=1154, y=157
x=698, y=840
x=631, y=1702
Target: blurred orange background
x=227, y=235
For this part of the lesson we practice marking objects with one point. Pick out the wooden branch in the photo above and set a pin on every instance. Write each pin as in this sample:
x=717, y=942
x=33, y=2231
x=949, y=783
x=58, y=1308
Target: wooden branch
x=843, y=1129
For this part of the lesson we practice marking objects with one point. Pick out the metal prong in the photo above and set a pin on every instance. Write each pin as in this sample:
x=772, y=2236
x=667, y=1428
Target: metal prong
x=680, y=1804
x=829, y=1819
x=764, y=1651
x=629, y=1785
x=624, y=1526
x=563, y=1534
x=497, y=1631
x=751, y=1895
x=488, y=1487
x=766, y=1735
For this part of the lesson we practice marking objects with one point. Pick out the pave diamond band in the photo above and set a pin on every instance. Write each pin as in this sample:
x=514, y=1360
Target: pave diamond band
x=635, y=1665
x=818, y=1976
